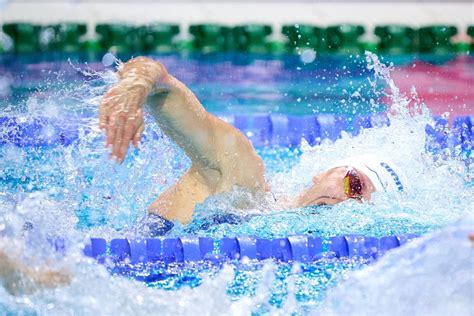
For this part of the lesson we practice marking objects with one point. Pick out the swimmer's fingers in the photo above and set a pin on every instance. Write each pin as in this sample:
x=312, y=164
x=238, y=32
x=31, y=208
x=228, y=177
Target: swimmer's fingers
x=138, y=134
x=104, y=113
x=111, y=100
x=110, y=131
x=103, y=117
x=104, y=109
x=118, y=137
x=130, y=129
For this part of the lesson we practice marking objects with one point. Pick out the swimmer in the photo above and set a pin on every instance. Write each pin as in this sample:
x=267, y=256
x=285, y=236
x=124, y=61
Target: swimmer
x=222, y=157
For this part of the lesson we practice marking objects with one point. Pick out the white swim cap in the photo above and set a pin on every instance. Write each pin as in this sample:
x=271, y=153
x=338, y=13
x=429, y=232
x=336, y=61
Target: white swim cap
x=383, y=173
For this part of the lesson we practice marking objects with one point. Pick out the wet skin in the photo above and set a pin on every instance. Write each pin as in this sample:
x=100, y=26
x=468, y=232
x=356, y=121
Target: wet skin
x=221, y=156
x=328, y=188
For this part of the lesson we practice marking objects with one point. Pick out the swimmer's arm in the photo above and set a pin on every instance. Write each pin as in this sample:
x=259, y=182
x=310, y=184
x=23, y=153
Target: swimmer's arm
x=21, y=279
x=221, y=155
x=175, y=108
x=121, y=108
x=208, y=141
x=204, y=137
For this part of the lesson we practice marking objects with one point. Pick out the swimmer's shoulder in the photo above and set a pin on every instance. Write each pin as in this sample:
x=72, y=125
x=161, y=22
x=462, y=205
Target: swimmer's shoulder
x=235, y=156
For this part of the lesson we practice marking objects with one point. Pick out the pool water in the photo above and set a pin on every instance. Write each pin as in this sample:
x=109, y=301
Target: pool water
x=225, y=83
x=76, y=192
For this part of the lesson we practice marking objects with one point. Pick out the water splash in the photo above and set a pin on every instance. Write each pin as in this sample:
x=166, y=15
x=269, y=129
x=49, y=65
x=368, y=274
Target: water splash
x=431, y=275
x=436, y=194
x=416, y=279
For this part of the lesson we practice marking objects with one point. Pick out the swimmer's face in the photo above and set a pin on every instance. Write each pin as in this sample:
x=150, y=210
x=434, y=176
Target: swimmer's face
x=328, y=188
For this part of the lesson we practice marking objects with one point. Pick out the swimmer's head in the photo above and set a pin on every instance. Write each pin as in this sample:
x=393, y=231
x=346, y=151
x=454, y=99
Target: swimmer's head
x=382, y=172
x=353, y=178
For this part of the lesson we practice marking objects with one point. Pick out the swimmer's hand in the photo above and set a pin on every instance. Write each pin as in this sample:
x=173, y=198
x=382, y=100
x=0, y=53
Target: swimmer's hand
x=121, y=109
x=121, y=118
x=18, y=278
x=29, y=281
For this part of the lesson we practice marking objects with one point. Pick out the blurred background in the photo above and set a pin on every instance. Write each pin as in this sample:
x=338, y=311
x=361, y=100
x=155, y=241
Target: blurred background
x=301, y=58
x=428, y=41
x=259, y=26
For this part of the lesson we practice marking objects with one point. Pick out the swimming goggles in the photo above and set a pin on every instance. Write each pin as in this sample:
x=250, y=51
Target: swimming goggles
x=352, y=185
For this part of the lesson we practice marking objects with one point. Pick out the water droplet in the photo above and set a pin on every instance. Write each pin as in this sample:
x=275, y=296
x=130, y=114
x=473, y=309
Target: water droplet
x=308, y=55
x=109, y=59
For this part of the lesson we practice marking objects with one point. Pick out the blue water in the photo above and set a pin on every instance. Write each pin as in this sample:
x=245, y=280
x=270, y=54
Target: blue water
x=76, y=192
x=225, y=83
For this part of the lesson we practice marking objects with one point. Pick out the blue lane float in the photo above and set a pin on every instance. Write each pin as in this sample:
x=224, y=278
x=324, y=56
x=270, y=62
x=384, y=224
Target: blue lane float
x=261, y=129
x=299, y=248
